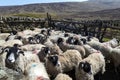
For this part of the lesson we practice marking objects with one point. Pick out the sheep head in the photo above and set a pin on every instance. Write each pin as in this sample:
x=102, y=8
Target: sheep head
x=13, y=53
x=53, y=59
x=85, y=66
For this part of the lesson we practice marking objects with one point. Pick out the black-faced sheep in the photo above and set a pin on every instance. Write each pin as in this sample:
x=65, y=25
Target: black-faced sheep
x=90, y=66
x=65, y=46
x=62, y=63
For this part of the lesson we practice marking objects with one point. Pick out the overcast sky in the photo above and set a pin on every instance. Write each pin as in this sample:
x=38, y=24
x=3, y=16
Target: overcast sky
x=21, y=2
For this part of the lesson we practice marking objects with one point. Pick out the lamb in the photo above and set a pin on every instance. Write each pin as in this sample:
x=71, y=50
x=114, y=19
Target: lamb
x=36, y=71
x=90, y=66
x=62, y=77
x=62, y=63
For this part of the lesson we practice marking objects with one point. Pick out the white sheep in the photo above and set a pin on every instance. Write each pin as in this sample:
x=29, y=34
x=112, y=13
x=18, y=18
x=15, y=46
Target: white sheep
x=32, y=47
x=65, y=46
x=61, y=76
x=105, y=48
x=3, y=36
x=89, y=50
x=23, y=61
x=113, y=43
x=115, y=54
x=36, y=71
x=118, y=47
x=2, y=42
x=90, y=66
x=10, y=43
x=62, y=63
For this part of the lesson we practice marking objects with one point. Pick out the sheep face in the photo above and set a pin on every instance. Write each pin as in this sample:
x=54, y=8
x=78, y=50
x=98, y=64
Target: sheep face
x=83, y=40
x=60, y=40
x=45, y=50
x=86, y=67
x=53, y=59
x=89, y=38
x=40, y=38
x=31, y=40
x=12, y=53
x=66, y=35
x=70, y=40
x=44, y=32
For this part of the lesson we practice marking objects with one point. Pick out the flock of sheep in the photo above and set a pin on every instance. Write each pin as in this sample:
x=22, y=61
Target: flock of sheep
x=45, y=54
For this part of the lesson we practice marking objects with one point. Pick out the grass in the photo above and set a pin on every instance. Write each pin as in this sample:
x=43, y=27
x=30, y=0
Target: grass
x=34, y=15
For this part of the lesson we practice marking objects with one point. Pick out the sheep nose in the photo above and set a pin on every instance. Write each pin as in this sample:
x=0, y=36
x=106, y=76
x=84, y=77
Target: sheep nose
x=11, y=60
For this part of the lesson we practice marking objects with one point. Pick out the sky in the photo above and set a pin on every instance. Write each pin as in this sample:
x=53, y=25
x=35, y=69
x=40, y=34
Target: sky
x=22, y=2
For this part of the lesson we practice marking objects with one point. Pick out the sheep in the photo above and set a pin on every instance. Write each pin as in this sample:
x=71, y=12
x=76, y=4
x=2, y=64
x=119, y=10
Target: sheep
x=16, y=61
x=28, y=64
x=40, y=38
x=10, y=43
x=28, y=39
x=61, y=76
x=115, y=54
x=90, y=66
x=62, y=63
x=11, y=36
x=89, y=50
x=48, y=43
x=25, y=32
x=55, y=50
x=113, y=43
x=105, y=48
x=2, y=42
x=74, y=40
x=2, y=59
x=118, y=47
x=36, y=71
x=32, y=47
x=45, y=51
x=64, y=46
x=3, y=36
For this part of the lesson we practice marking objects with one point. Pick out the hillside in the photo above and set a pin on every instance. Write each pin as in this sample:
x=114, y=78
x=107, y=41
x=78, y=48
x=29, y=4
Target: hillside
x=63, y=7
x=103, y=14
